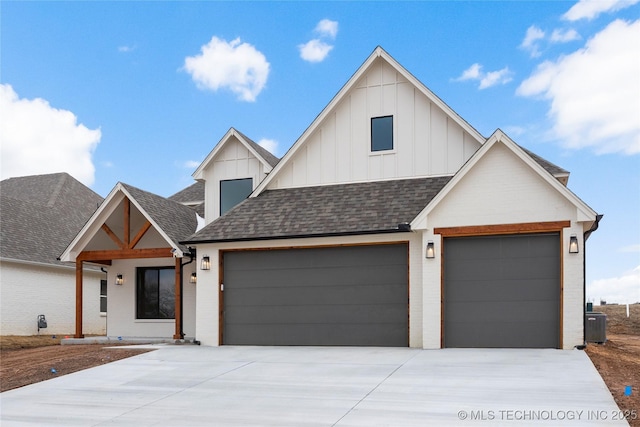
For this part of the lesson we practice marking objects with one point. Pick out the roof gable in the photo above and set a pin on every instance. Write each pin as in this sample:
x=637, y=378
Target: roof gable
x=584, y=212
x=41, y=214
x=171, y=222
x=467, y=139
x=264, y=156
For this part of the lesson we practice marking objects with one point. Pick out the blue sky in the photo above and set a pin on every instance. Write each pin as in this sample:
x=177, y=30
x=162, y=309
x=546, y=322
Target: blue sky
x=140, y=92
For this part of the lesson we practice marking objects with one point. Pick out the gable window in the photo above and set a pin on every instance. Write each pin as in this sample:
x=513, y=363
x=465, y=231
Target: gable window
x=103, y=296
x=155, y=293
x=382, y=133
x=233, y=191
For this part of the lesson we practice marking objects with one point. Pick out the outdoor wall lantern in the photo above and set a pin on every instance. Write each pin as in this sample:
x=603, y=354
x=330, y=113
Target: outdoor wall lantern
x=206, y=263
x=194, y=278
x=119, y=280
x=573, y=244
x=431, y=250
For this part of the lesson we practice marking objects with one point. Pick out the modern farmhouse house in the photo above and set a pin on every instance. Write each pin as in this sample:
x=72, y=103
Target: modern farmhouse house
x=390, y=222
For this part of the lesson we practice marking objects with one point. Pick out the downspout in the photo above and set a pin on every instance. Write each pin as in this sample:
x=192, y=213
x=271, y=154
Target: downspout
x=192, y=256
x=586, y=235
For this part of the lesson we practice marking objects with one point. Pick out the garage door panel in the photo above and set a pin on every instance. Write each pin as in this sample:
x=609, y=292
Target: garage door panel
x=506, y=290
x=317, y=296
x=354, y=314
x=365, y=294
x=313, y=276
x=311, y=335
x=502, y=291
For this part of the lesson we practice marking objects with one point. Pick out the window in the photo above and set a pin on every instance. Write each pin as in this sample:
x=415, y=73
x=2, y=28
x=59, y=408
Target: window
x=234, y=191
x=103, y=296
x=156, y=294
x=382, y=133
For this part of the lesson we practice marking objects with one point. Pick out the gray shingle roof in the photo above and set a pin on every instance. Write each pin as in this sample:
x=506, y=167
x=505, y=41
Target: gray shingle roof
x=192, y=194
x=175, y=219
x=41, y=215
x=546, y=164
x=361, y=208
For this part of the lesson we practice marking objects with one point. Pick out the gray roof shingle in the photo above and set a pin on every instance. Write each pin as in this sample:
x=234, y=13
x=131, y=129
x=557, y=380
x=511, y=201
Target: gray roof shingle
x=266, y=155
x=546, y=164
x=175, y=219
x=360, y=208
x=41, y=214
x=192, y=194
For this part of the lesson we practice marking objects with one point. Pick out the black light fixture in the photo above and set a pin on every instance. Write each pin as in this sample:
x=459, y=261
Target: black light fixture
x=431, y=250
x=194, y=278
x=206, y=263
x=573, y=244
x=119, y=280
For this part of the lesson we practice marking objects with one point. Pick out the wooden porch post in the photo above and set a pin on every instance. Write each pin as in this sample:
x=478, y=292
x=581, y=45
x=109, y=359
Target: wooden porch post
x=78, y=299
x=178, y=301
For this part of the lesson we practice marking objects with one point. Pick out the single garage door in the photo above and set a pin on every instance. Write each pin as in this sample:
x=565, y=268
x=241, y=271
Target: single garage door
x=356, y=295
x=502, y=291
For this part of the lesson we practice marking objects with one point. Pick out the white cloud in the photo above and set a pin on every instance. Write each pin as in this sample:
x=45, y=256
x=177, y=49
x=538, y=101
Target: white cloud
x=622, y=289
x=314, y=50
x=191, y=164
x=327, y=28
x=487, y=80
x=564, y=36
x=36, y=138
x=590, y=9
x=271, y=145
x=236, y=66
x=594, y=91
x=630, y=248
x=531, y=38
x=126, y=49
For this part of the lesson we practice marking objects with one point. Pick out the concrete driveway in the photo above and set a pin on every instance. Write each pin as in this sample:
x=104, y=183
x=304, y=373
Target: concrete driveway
x=324, y=386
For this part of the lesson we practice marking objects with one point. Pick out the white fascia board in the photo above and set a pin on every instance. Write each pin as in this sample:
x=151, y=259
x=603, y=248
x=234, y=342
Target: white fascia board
x=379, y=52
x=109, y=204
x=199, y=173
x=86, y=267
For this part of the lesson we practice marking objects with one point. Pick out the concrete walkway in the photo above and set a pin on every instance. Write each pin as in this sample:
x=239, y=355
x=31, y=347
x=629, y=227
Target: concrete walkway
x=323, y=386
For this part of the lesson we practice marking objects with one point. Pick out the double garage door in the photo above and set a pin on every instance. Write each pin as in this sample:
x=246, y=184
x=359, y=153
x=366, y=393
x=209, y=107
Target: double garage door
x=502, y=291
x=352, y=295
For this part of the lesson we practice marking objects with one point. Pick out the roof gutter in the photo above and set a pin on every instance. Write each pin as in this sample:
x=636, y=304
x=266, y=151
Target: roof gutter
x=402, y=228
x=587, y=233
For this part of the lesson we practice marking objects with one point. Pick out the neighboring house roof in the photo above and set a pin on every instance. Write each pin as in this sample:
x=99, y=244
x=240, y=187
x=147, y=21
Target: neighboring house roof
x=192, y=196
x=172, y=220
x=268, y=159
x=41, y=214
x=359, y=208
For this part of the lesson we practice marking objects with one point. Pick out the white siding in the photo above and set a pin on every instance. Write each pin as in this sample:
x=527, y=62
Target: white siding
x=426, y=140
x=208, y=309
x=502, y=189
x=121, y=302
x=28, y=290
x=234, y=161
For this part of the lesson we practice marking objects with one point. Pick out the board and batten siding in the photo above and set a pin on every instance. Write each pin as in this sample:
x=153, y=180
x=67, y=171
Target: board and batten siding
x=29, y=290
x=427, y=142
x=234, y=161
x=501, y=189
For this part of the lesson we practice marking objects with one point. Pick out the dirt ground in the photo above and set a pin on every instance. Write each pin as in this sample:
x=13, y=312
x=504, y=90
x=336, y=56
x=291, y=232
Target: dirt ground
x=618, y=360
x=27, y=360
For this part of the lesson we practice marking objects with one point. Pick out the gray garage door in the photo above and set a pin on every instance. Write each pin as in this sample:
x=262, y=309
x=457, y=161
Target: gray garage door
x=502, y=291
x=318, y=296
